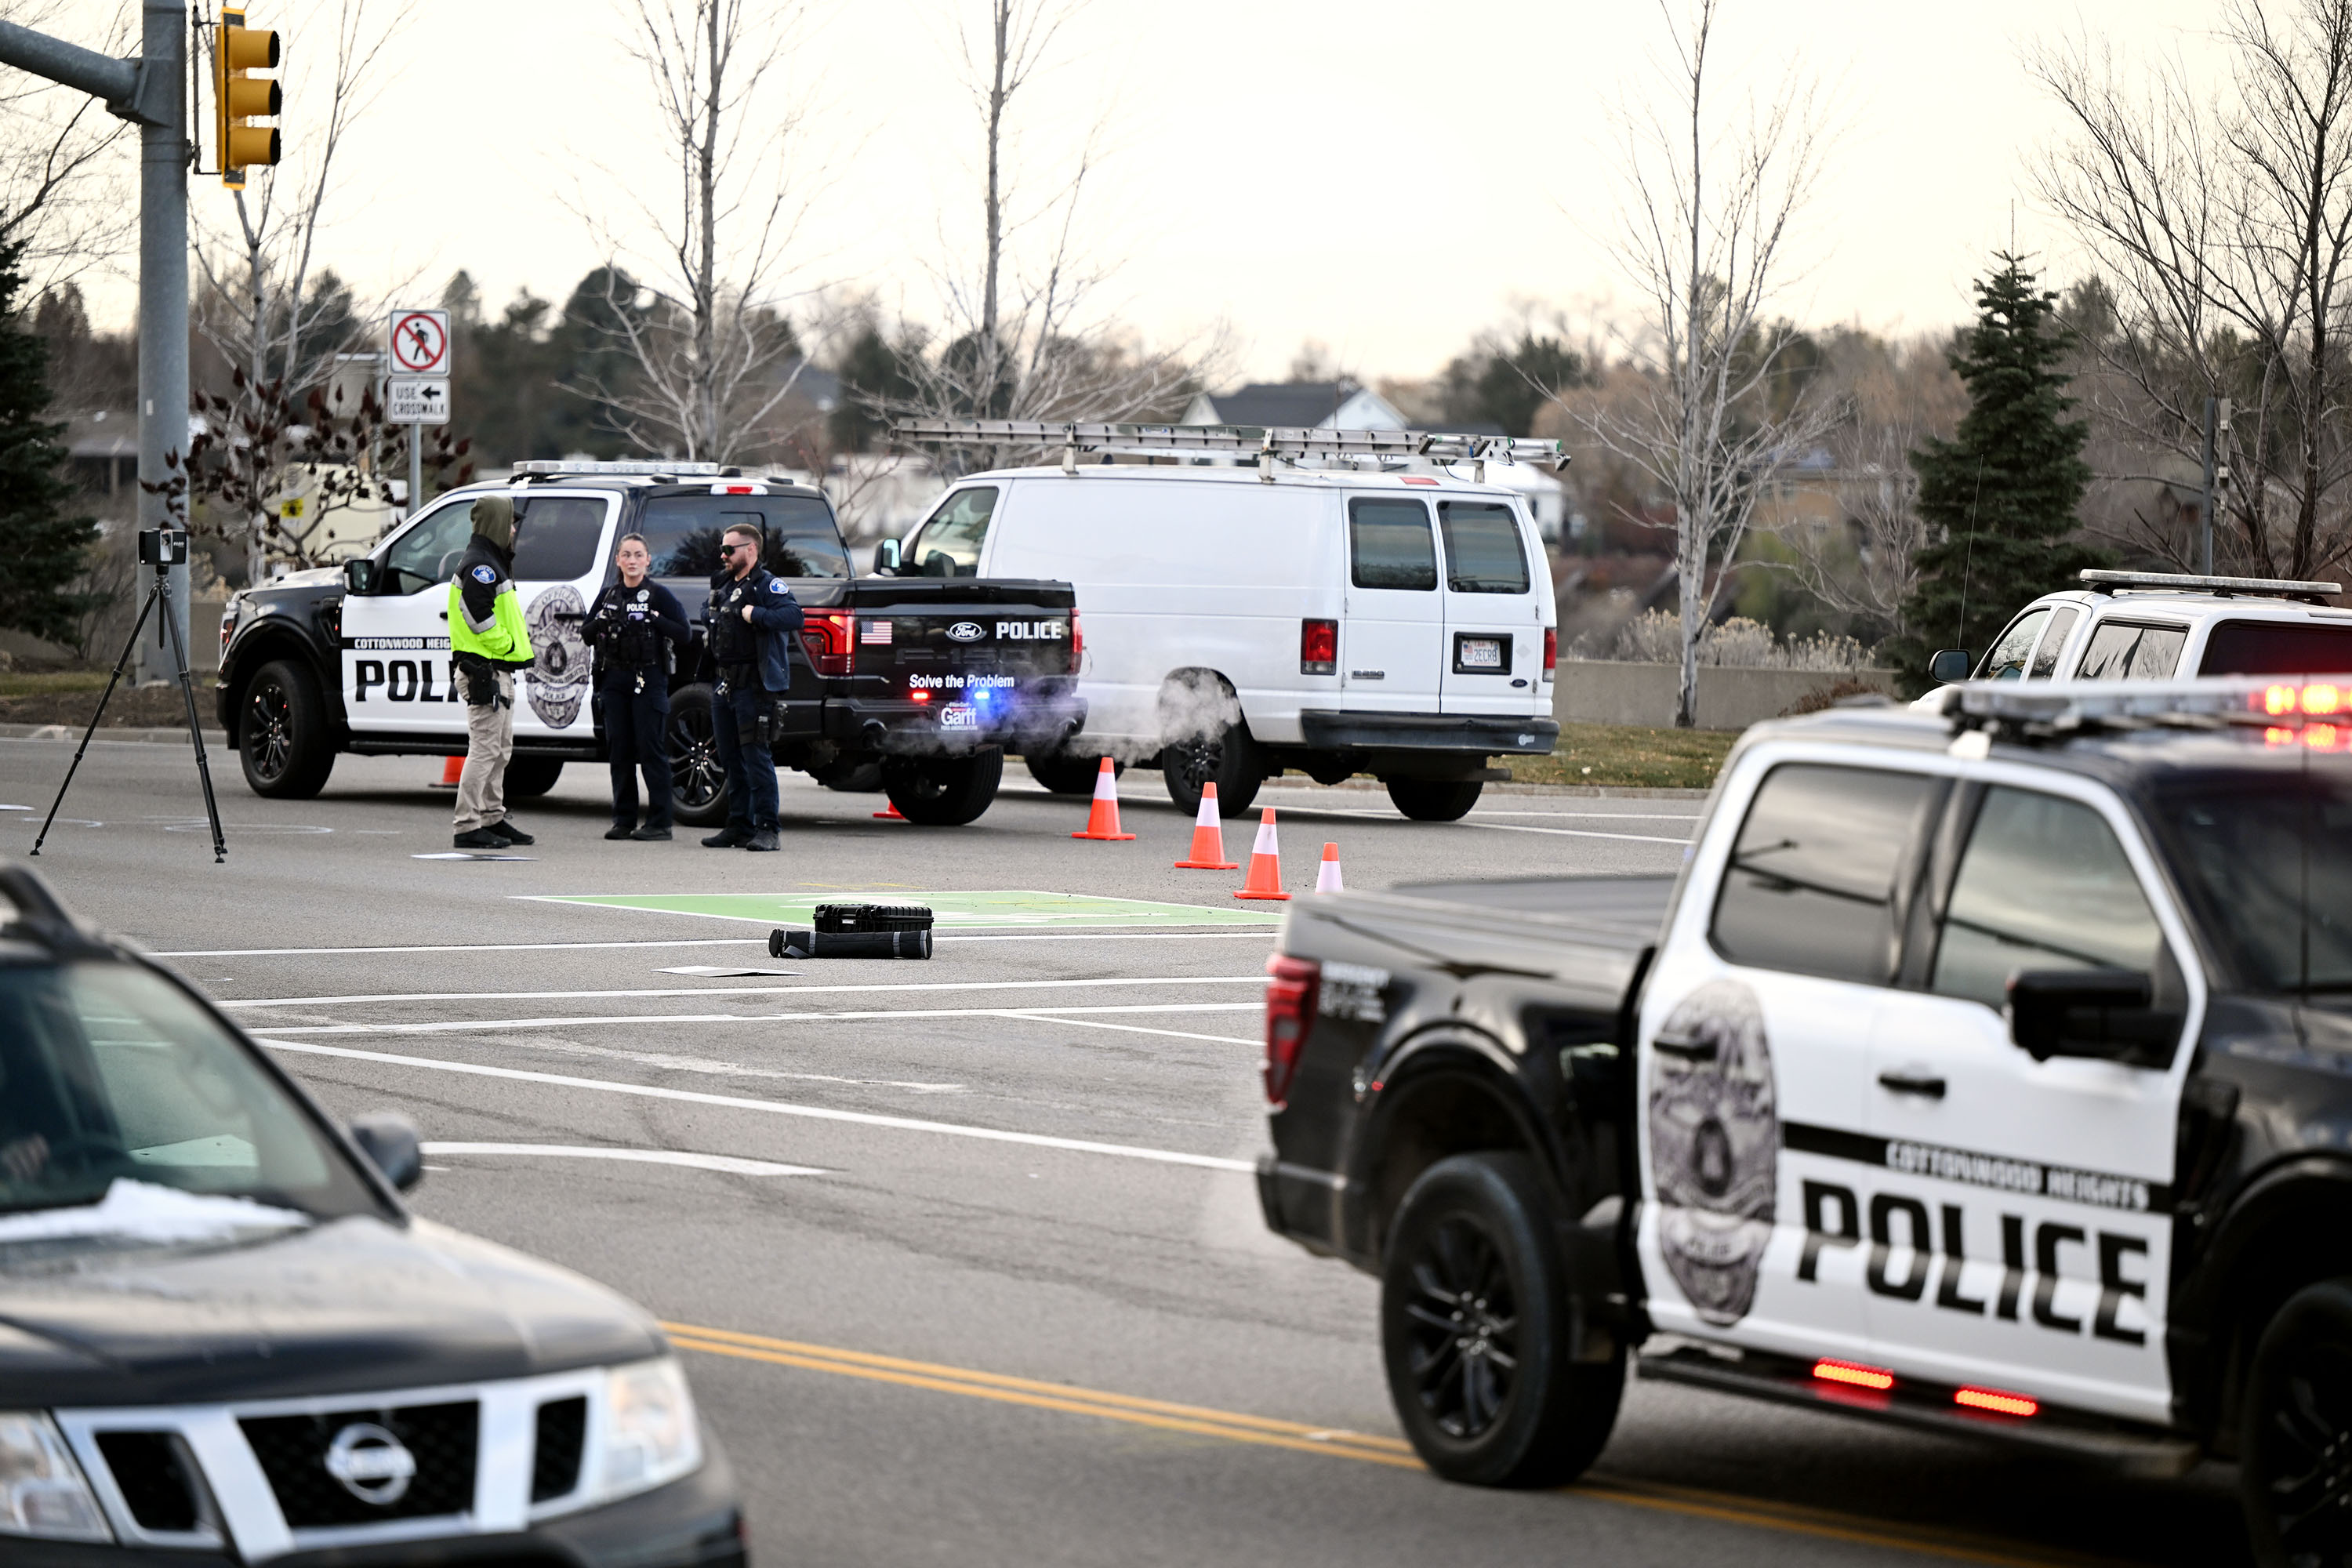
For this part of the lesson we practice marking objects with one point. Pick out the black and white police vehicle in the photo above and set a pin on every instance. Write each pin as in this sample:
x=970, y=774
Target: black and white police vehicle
x=2157, y=626
x=1988, y=1071
x=924, y=680
x=224, y=1339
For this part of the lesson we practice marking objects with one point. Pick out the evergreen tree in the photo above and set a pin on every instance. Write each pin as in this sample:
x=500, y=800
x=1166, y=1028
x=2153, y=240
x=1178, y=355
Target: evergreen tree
x=43, y=544
x=2000, y=496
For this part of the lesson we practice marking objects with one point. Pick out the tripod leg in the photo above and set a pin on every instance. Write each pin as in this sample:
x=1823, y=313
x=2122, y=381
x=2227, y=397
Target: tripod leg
x=129, y=647
x=195, y=732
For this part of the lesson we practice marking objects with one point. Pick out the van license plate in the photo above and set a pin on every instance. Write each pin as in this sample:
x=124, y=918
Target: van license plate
x=959, y=717
x=1480, y=653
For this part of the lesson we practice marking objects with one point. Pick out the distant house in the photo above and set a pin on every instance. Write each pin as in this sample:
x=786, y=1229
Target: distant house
x=1308, y=404
x=104, y=447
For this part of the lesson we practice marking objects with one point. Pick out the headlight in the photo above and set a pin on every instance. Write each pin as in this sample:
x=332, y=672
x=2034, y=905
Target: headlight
x=651, y=1437
x=42, y=1491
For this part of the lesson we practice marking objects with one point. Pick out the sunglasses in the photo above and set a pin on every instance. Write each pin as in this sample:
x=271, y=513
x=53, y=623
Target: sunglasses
x=738, y=544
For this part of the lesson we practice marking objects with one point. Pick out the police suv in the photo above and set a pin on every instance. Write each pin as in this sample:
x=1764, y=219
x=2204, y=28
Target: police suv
x=927, y=681
x=1986, y=1070
x=2155, y=625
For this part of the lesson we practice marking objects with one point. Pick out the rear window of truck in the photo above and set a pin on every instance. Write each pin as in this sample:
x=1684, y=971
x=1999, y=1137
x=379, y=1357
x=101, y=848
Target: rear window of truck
x=2276, y=648
x=682, y=534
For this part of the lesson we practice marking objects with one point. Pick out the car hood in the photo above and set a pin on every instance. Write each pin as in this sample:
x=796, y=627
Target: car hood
x=352, y=1305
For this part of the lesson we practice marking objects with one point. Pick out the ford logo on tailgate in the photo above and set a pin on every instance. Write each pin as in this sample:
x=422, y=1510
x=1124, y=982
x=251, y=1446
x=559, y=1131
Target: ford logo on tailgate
x=965, y=631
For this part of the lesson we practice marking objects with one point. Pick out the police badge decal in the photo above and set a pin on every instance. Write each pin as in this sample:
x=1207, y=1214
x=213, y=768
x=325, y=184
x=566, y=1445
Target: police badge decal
x=557, y=680
x=1713, y=1147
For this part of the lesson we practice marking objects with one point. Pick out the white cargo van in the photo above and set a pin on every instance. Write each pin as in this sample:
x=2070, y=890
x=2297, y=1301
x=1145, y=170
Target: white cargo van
x=1240, y=621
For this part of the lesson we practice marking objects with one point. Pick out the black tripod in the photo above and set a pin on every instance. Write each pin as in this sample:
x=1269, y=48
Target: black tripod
x=164, y=549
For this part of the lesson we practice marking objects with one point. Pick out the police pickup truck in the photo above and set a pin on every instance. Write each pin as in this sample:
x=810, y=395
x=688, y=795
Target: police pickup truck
x=1988, y=1071
x=928, y=681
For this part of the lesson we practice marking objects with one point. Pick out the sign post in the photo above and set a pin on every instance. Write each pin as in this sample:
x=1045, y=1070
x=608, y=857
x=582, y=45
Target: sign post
x=416, y=389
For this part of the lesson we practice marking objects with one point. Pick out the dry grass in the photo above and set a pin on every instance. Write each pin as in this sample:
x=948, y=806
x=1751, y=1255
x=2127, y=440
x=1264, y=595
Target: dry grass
x=1627, y=755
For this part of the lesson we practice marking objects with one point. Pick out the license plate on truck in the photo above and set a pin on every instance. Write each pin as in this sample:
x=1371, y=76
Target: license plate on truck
x=1479, y=653
x=958, y=716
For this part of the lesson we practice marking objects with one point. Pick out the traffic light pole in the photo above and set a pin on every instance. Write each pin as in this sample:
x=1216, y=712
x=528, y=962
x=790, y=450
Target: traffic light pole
x=150, y=92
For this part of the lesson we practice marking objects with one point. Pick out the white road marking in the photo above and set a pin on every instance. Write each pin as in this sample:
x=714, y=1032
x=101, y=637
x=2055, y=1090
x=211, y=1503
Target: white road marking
x=775, y=1107
x=727, y=991
x=1264, y=933
x=726, y=1163
x=716, y=1067
x=1569, y=832
x=640, y=1020
x=1136, y=1029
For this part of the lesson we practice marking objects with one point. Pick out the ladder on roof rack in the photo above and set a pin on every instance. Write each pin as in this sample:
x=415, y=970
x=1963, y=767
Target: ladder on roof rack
x=1265, y=442
x=2176, y=582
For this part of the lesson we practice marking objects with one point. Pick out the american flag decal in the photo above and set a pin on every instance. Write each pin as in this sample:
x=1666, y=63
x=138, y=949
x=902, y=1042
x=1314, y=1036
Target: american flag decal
x=873, y=632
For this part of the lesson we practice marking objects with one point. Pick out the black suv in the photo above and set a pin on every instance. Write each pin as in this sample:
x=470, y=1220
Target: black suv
x=224, y=1339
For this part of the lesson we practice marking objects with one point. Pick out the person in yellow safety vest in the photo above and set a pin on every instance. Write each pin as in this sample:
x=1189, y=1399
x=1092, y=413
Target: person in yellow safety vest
x=488, y=643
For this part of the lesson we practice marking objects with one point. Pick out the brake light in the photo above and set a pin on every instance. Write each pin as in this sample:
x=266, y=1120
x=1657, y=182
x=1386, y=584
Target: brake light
x=1552, y=650
x=1855, y=1375
x=1290, y=994
x=1994, y=1400
x=827, y=635
x=1077, y=642
x=1318, y=647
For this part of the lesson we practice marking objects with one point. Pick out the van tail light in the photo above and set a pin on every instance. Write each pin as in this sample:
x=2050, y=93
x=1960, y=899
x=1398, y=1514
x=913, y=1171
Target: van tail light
x=830, y=637
x=1318, y=647
x=1078, y=643
x=1552, y=650
x=1290, y=994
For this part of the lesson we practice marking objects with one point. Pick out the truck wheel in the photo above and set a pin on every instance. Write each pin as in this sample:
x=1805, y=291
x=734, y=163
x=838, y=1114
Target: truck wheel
x=1474, y=1330
x=2294, y=1446
x=1435, y=800
x=697, y=784
x=1065, y=773
x=1230, y=759
x=943, y=791
x=282, y=734
x=528, y=777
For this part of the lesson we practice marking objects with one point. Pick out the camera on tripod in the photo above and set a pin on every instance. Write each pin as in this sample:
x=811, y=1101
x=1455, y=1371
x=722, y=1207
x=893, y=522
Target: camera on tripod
x=162, y=547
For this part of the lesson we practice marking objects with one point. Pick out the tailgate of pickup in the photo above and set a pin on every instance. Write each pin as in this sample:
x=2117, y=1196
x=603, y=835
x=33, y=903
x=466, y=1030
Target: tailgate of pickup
x=956, y=638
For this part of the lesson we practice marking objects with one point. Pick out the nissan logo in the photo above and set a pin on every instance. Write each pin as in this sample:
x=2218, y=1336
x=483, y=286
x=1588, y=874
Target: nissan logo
x=371, y=1463
x=966, y=631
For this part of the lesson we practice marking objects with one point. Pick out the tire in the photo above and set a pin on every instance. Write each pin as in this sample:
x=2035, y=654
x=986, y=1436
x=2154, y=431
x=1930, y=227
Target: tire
x=1225, y=752
x=1470, y=1257
x=530, y=777
x=2294, y=1442
x=1065, y=773
x=943, y=791
x=1435, y=800
x=697, y=782
x=865, y=778
x=284, y=737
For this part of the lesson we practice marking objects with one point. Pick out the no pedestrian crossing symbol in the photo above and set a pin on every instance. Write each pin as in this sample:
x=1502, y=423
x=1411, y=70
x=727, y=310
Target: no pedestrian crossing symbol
x=418, y=341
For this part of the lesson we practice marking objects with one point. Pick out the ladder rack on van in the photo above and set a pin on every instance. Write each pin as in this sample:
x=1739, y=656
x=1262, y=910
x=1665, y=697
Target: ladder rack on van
x=1266, y=442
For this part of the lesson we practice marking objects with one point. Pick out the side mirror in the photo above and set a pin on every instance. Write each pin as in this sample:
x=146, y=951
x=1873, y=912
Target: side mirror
x=2086, y=1013
x=1952, y=664
x=390, y=1139
x=886, y=558
x=359, y=575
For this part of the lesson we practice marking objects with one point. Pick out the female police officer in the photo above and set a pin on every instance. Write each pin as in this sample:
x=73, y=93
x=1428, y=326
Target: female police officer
x=633, y=624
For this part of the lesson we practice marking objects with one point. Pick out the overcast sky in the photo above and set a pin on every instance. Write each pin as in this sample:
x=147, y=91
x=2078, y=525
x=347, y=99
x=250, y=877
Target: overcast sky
x=1384, y=178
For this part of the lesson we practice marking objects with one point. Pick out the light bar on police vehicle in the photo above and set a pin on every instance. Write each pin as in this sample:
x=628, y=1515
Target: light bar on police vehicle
x=1265, y=442
x=650, y=470
x=2276, y=700
x=2179, y=583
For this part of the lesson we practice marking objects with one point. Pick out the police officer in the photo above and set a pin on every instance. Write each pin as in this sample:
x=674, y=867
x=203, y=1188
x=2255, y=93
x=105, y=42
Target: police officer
x=634, y=625
x=751, y=617
x=488, y=643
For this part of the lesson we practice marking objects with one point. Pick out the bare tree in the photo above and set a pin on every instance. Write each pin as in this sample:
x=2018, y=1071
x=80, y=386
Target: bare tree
x=1705, y=221
x=694, y=287
x=2220, y=218
x=60, y=192
x=1023, y=336
x=274, y=317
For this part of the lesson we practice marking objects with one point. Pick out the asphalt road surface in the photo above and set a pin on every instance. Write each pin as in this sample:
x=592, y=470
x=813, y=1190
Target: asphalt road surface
x=965, y=1256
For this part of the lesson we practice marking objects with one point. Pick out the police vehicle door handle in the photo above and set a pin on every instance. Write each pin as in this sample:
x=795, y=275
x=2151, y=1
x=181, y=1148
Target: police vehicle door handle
x=1904, y=1083
x=1683, y=1045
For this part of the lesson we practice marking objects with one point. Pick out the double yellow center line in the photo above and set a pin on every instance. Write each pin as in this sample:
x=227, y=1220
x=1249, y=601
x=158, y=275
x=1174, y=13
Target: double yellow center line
x=1368, y=1447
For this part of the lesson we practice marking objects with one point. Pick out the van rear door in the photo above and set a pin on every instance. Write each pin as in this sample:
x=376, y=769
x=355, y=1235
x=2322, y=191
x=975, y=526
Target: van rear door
x=1492, y=658
x=1391, y=637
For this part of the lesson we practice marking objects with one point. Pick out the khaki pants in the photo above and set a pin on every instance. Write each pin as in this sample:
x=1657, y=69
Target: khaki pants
x=489, y=745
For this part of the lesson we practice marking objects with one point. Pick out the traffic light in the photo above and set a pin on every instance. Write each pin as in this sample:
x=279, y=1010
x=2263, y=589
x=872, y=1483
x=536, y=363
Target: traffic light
x=239, y=97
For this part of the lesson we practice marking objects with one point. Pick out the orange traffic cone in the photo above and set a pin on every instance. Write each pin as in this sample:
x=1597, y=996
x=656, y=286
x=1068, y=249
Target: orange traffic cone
x=1266, y=864
x=1208, y=837
x=450, y=768
x=1102, y=821
x=893, y=815
x=1327, y=878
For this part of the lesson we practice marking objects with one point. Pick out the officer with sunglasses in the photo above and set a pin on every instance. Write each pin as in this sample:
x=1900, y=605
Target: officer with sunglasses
x=751, y=618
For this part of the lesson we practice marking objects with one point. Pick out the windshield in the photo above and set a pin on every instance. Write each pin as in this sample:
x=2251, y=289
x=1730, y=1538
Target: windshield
x=109, y=1072
x=2268, y=857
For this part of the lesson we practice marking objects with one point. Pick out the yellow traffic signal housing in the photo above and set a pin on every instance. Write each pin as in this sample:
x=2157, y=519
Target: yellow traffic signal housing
x=238, y=97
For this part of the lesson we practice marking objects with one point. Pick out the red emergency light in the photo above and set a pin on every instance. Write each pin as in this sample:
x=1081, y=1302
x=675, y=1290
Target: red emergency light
x=1855, y=1375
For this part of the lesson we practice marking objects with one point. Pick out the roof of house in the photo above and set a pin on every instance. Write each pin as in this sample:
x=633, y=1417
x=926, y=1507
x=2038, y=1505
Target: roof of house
x=1288, y=403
